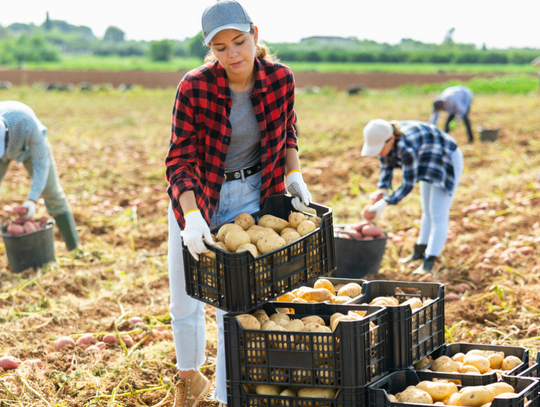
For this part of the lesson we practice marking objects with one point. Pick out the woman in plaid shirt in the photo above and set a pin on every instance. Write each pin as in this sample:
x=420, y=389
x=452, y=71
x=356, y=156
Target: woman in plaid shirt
x=425, y=154
x=233, y=145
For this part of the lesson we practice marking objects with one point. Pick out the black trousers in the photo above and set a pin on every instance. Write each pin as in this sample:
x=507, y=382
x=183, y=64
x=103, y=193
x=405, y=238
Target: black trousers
x=465, y=120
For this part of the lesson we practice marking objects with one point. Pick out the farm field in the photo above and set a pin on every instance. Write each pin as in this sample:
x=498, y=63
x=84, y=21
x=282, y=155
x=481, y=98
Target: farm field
x=110, y=147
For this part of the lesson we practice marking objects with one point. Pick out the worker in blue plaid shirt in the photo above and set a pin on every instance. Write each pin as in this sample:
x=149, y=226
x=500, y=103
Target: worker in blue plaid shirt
x=427, y=155
x=23, y=138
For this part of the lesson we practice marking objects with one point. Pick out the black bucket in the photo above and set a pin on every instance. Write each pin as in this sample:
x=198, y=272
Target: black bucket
x=29, y=250
x=357, y=258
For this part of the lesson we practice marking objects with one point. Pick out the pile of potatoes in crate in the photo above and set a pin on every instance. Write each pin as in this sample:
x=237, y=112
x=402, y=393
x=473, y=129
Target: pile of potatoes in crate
x=443, y=392
x=269, y=234
x=290, y=391
x=323, y=290
x=21, y=226
x=475, y=361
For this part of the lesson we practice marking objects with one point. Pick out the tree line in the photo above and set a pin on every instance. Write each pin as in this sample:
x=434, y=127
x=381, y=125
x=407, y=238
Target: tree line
x=21, y=43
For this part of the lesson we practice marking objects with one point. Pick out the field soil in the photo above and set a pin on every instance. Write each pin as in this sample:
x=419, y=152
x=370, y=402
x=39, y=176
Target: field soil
x=110, y=148
x=151, y=80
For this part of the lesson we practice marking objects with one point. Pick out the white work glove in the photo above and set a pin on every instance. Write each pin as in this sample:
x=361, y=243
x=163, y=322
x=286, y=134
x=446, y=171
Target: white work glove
x=298, y=189
x=376, y=209
x=196, y=229
x=30, y=209
x=378, y=195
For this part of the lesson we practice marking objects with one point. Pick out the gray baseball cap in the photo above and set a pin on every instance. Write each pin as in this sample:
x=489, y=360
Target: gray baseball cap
x=223, y=15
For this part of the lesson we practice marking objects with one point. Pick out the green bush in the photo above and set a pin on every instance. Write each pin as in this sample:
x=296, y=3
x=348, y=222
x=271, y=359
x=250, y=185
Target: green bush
x=27, y=49
x=493, y=58
x=161, y=50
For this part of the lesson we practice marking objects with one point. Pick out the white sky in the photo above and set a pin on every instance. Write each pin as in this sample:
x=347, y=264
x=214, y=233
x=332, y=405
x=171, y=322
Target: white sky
x=497, y=23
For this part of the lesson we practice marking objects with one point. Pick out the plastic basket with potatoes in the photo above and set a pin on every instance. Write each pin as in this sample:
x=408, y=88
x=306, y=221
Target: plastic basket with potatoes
x=479, y=359
x=340, y=346
x=434, y=388
x=260, y=256
x=415, y=316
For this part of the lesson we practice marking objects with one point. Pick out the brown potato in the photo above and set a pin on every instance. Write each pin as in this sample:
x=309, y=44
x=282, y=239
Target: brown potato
x=226, y=228
x=305, y=227
x=245, y=220
x=295, y=218
x=273, y=222
x=269, y=243
x=250, y=247
x=248, y=321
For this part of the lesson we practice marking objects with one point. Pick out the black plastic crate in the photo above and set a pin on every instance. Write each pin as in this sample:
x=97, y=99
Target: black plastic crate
x=237, y=282
x=457, y=347
x=396, y=382
x=532, y=371
x=351, y=356
x=416, y=334
x=345, y=397
x=334, y=280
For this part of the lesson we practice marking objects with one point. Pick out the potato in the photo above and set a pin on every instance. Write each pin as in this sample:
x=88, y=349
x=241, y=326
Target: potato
x=458, y=357
x=438, y=390
x=85, y=339
x=295, y=325
x=422, y=363
x=479, y=362
x=256, y=234
x=287, y=230
x=350, y=290
x=236, y=238
x=299, y=300
x=317, y=392
x=507, y=396
x=340, y=299
x=287, y=297
x=499, y=388
x=453, y=400
x=222, y=246
x=414, y=395
x=248, y=247
x=450, y=366
x=62, y=342
x=313, y=318
x=322, y=328
x=414, y=303
x=128, y=340
x=305, y=227
x=15, y=229
x=468, y=369
x=245, y=220
x=495, y=360
x=279, y=326
x=30, y=227
x=475, y=396
x=334, y=317
x=478, y=352
x=109, y=338
x=392, y=398
x=269, y=243
x=288, y=393
x=268, y=389
x=267, y=325
x=291, y=237
x=9, y=362
x=226, y=228
x=441, y=360
x=311, y=326
x=295, y=218
x=324, y=283
x=370, y=230
x=511, y=362
x=273, y=222
x=248, y=321
x=278, y=316
x=318, y=295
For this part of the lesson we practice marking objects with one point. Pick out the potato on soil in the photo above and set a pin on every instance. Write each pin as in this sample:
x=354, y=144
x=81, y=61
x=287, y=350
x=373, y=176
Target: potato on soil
x=248, y=321
x=269, y=243
x=350, y=290
x=245, y=220
x=306, y=227
x=273, y=222
x=9, y=362
x=249, y=247
x=226, y=228
x=109, y=338
x=85, y=339
x=295, y=218
x=62, y=342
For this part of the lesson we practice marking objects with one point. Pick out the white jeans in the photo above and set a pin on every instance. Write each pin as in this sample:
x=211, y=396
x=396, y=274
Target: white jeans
x=436, y=210
x=187, y=313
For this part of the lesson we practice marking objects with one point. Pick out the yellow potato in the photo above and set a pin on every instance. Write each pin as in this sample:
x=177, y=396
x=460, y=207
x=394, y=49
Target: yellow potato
x=248, y=321
x=336, y=299
x=305, y=227
x=438, y=390
x=269, y=243
x=495, y=360
x=476, y=352
x=273, y=222
x=268, y=389
x=245, y=220
x=318, y=295
x=316, y=392
x=299, y=300
x=511, y=362
x=414, y=303
x=441, y=360
x=453, y=400
x=267, y=325
x=236, y=238
x=414, y=395
x=226, y=228
x=249, y=247
x=450, y=366
x=256, y=234
x=279, y=316
x=222, y=246
x=475, y=396
x=324, y=283
x=291, y=237
x=350, y=290
x=479, y=362
x=311, y=326
x=333, y=318
x=295, y=218
x=468, y=369
x=500, y=388
x=287, y=230
x=458, y=357
x=313, y=318
x=295, y=325
x=287, y=297
x=507, y=396
x=422, y=363
x=288, y=393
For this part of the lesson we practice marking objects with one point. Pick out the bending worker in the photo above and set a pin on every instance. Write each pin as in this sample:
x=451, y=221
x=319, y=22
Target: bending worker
x=24, y=139
x=456, y=100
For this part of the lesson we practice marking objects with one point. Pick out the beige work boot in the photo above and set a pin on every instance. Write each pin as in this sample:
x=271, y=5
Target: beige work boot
x=190, y=391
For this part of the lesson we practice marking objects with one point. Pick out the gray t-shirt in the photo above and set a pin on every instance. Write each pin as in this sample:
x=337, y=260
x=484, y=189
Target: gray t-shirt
x=245, y=147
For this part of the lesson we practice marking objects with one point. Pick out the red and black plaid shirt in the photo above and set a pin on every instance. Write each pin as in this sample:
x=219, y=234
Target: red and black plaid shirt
x=201, y=132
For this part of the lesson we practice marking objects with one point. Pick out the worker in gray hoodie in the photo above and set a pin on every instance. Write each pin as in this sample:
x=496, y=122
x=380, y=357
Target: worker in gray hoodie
x=456, y=100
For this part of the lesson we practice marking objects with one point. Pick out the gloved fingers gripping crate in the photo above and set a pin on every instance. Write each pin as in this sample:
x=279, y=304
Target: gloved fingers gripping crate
x=476, y=358
x=420, y=388
x=320, y=345
x=415, y=318
x=238, y=282
x=332, y=290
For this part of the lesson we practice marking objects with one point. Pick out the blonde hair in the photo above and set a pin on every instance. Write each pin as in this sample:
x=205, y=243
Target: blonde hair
x=396, y=126
x=262, y=51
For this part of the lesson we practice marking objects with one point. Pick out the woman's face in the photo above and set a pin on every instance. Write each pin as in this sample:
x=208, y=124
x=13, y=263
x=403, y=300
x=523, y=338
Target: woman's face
x=235, y=51
x=389, y=146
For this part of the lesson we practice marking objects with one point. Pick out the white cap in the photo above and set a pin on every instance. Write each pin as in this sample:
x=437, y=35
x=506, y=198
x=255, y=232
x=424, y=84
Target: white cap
x=223, y=15
x=376, y=133
x=2, y=137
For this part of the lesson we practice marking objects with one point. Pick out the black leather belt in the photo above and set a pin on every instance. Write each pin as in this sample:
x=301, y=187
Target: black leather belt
x=240, y=174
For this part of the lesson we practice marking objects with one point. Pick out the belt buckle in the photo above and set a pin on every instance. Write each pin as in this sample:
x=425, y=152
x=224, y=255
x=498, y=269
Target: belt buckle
x=237, y=174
